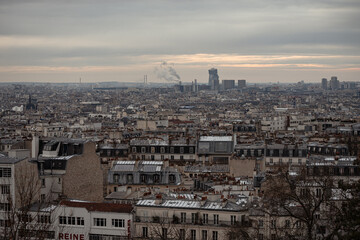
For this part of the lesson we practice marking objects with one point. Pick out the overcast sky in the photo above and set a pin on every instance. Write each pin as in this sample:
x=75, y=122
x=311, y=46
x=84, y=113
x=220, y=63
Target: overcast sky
x=257, y=40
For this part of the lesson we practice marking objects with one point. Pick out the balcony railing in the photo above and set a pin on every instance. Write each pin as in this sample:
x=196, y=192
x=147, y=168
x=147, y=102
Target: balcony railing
x=199, y=221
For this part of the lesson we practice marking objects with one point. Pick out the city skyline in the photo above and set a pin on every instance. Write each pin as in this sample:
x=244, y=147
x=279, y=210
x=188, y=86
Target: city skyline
x=260, y=41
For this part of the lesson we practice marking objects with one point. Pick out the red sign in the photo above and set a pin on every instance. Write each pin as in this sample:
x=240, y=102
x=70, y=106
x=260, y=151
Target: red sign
x=71, y=236
x=129, y=229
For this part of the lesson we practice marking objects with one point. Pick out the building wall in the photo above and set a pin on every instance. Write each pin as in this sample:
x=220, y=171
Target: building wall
x=243, y=167
x=145, y=217
x=84, y=178
x=68, y=231
x=26, y=183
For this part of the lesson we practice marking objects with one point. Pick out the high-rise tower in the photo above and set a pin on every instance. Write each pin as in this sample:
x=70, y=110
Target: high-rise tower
x=213, y=79
x=324, y=83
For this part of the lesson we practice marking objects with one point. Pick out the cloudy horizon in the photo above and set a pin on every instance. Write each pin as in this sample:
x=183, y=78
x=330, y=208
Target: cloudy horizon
x=260, y=41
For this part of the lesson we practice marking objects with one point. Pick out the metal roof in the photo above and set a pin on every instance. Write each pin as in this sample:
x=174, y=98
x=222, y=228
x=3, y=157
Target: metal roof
x=216, y=138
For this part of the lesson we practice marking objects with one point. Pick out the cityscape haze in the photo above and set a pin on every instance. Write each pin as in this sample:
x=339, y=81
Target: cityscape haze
x=179, y=120
x=261, y=41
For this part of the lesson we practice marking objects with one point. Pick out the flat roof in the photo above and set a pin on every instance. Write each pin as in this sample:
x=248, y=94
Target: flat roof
x=216, y=138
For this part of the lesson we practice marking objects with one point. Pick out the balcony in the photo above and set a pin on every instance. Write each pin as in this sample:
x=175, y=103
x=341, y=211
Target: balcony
x=188, y=221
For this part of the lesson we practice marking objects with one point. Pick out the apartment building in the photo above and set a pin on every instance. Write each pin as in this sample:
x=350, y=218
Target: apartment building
x=19, y=184
x=69, y=168
x=177, y=151
x=285, y=154
x=147, y=173
x=190, y=218
x=79, y=220
x=215, y=149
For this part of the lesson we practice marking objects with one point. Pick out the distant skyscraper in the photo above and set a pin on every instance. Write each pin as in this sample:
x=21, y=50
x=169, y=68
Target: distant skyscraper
x=324, y=83
x=241, y=83
x=213, y=79
x=334, y=83
x=228, y=84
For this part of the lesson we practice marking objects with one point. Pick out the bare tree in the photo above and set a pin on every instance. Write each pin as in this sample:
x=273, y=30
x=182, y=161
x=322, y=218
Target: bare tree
x=24, y=215
x=344, y=212
x=299, y=196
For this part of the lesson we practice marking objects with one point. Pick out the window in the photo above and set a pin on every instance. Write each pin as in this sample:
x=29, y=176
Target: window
x=171, y=178
x=100, y=222
x=116, y=178
x=183, y=217
x=5, y=172
x=134, y=149
x=62, y=220
x=26, y=218
x=216, y=219
x=191, y=150
x=152, y=157
x=273, y=224
x=42, y=197
x=143, y=178
x=4, y=223
x=4, y=206
x=71, y=221
x=143, y=149
x=261, y=223
x=193, y=234
x=119, y=223
x=129, y=178
x=172, y=157
x=273, y=237
x=156, y=178
x=162, y=150
x=80, y=221
x=172, y=150
x=204, y=235
x=182, y=234
x=261, y=236
x=299, y=161
x=152, y=149
x=164, y=233
x=321, y=230
x=5, y=189
x=271, y=160
x=43, y=218
x=194, y=217
x=43, y=182
x=318, y=192
x=181, y=157
x=215, y=235
x=145, y=232
x=287, y=223
x=181, y=150
x=233, y=219
x=205, y=218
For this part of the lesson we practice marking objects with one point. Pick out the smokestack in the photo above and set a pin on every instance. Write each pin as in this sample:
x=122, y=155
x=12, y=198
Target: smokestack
x=167, y=72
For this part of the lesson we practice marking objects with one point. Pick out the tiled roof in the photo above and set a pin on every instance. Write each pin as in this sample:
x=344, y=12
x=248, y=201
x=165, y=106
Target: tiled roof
x=99, y=207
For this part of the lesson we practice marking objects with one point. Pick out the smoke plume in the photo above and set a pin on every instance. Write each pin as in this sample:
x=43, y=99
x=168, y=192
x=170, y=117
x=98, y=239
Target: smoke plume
x=167, y=72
